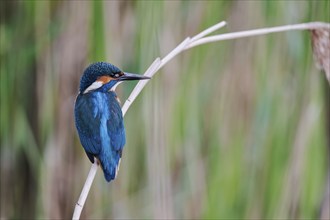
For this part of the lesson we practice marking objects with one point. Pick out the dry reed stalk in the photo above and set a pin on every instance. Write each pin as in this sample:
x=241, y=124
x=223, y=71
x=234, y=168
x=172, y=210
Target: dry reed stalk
x=188, y=43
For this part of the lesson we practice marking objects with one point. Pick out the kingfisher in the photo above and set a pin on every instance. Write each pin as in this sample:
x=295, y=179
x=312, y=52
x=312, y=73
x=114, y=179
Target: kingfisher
x=98, y=115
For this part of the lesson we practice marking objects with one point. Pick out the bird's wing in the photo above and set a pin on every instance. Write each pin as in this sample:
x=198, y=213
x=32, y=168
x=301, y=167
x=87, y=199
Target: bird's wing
x=112, y=139
x=88, y=126
x=115, y=126
x=100, y=126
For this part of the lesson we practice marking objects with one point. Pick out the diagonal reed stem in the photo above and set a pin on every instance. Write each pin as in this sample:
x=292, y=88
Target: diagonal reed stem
x=84, y=193
x=188, y=43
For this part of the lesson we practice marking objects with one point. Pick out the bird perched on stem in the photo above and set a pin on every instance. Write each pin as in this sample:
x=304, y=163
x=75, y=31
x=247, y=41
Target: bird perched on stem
x=98, y=115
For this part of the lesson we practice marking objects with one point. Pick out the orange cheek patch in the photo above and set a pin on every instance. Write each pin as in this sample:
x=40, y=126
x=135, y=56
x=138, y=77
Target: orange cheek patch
x=104, y=79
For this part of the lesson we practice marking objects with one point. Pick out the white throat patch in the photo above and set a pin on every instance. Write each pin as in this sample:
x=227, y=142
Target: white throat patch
x=95, y=85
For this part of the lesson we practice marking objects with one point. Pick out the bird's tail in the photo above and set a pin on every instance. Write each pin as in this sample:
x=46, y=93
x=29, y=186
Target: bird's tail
x=110, y=165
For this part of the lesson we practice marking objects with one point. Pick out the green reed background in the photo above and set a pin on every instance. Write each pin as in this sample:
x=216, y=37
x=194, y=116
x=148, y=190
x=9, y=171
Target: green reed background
x=228, y=130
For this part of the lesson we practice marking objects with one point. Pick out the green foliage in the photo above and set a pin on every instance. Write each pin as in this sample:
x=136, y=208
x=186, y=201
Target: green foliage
x=97, y=44
x=233, y=129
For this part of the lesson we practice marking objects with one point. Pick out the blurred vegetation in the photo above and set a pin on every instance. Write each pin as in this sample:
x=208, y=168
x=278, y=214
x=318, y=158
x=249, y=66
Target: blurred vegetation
x=234, y=129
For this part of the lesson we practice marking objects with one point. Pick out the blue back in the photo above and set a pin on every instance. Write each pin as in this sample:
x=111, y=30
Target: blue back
x=100, y=126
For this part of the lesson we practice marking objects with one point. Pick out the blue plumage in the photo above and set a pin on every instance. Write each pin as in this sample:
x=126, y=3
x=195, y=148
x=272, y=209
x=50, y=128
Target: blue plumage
x=98, y=116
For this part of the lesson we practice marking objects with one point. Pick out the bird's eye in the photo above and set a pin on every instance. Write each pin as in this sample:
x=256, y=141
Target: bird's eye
x=116, y=75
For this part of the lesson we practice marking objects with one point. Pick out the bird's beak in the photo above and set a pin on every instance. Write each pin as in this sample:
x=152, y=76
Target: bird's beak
x=131, y=76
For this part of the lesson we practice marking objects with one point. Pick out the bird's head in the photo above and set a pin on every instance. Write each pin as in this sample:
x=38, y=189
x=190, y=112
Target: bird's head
x=104, y=76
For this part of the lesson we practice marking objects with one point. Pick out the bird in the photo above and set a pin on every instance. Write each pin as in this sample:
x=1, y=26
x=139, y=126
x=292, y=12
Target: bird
x=98, y=116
